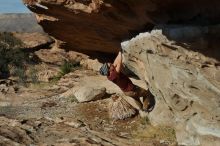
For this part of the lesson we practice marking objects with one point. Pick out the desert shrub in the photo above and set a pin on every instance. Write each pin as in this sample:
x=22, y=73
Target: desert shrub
x=68, y=66
x=8, y=41
x=20, y=73
x=33, y=75
x=11, y=54
x=65, y=68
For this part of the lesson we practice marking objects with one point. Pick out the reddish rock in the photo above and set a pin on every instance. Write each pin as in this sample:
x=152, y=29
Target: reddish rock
x=100, y=25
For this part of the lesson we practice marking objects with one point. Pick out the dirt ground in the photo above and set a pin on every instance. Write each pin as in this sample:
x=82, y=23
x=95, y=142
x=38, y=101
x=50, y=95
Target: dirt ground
x=39, y=115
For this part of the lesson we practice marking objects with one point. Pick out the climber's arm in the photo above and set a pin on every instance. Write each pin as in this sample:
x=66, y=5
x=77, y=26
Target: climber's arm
x=118, y=62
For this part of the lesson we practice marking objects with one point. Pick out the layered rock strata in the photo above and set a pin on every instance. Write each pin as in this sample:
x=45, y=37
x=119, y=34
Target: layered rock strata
x=100, y=25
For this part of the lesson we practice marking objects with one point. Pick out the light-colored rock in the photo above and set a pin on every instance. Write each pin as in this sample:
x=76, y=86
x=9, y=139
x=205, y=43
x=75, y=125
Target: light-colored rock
x=91, y=64
x=86, y=93
x=75, y=124
x=90, y=93
x=182, y=73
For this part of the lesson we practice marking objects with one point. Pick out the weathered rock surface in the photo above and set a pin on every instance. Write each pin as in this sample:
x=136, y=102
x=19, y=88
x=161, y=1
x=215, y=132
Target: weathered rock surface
x=34, y=40
x=183, y=77
x=100, y=25
x=86, y=93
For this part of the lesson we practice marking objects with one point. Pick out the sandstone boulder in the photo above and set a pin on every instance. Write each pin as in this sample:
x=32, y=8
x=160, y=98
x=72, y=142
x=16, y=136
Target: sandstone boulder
x=91, y=64
x=183, y=78
x=86, y=93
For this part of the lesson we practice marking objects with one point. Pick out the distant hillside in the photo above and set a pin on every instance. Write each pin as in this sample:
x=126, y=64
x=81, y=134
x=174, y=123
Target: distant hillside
x=24, y=22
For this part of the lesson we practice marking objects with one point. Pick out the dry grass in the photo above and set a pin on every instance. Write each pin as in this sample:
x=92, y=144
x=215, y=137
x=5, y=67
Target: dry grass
x=160, y=133
x=120, y=109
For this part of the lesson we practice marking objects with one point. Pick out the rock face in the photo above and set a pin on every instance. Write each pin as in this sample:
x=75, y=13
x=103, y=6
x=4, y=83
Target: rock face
x=100, y=25
x=183, y=77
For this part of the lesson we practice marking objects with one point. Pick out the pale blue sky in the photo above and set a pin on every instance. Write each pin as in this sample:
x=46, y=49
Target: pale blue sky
x=12, y=6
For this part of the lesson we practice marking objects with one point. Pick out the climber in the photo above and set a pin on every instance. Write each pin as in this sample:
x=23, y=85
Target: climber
x=114, y=74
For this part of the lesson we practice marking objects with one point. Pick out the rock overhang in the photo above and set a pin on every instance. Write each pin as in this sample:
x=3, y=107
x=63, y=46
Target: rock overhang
x=101, y=25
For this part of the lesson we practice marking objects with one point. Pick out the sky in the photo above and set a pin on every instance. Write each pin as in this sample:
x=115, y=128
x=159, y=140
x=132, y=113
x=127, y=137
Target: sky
x=12, y=6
